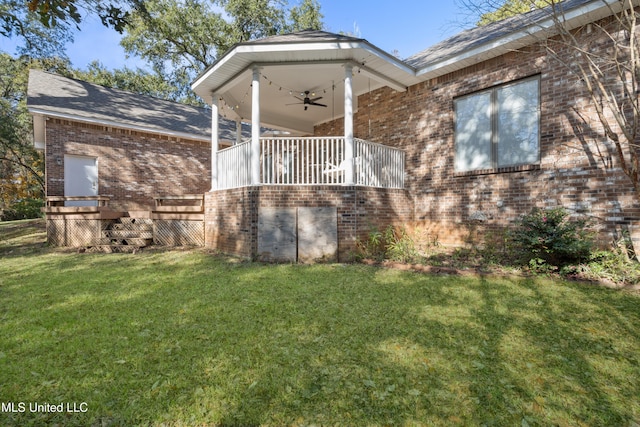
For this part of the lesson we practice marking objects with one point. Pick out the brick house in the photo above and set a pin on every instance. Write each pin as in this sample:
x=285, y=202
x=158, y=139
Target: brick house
x=461, y=138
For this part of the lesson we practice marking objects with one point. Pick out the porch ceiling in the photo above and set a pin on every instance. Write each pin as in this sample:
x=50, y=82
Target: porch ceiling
x=311, y=61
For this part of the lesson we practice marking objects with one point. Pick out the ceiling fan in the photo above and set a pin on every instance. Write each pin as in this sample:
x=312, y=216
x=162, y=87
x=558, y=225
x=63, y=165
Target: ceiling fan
x=306, y=101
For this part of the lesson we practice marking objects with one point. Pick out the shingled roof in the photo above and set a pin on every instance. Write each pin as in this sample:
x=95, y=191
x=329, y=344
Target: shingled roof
x=483, y=42
x=58, y=96
x=305, y=36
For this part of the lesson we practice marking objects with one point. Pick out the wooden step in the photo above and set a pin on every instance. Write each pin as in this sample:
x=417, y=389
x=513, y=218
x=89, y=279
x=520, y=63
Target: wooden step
x=134, y=241
x=131, y=227
x=139, y=221
x=111, y=249
x=128, y=234
x=139, y=241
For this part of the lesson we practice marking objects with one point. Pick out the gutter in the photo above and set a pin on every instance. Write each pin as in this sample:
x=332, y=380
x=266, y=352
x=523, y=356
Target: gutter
x=588, y=12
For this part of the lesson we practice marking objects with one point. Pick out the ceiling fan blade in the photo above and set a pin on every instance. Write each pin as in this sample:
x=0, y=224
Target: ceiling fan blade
x=317, y=104
x=316, y=99
x=295, y=103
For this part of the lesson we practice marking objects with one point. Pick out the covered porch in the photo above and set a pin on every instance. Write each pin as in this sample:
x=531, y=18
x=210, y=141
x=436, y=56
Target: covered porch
x=287, y=86
x=292, y=192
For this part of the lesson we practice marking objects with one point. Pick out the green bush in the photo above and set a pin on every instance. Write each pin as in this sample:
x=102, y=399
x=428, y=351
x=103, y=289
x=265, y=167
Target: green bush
x=372, y=247
x=549, y=237
x=400, y=246
x=24, y=209
x=393, y=243
x=617, y=265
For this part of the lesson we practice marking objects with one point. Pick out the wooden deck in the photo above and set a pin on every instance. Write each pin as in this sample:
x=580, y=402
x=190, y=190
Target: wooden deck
x=188, y=207
x=173, y=221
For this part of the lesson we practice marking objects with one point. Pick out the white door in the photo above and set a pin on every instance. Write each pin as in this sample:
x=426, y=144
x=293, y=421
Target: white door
x=80, y=179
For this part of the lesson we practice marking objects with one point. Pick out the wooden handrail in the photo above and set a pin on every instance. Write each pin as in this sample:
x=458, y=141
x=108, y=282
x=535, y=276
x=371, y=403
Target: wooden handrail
x=182, y=197
x=59, y=200
x=162, y=207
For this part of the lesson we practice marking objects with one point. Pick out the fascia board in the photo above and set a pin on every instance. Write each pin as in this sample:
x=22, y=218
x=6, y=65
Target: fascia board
x=216, y=66
x=280, y=53
x=119, y=125
x=532, y=33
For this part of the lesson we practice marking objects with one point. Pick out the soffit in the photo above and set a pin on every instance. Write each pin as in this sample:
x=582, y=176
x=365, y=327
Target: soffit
x=288, y=69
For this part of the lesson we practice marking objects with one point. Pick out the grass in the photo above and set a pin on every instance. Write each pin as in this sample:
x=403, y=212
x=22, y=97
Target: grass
x=187, y=338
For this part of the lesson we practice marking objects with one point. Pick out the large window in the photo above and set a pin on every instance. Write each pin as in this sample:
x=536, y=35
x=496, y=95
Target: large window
x=499, y=127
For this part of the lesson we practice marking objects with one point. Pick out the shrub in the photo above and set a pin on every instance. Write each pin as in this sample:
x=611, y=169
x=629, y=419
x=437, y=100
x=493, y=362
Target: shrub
x=393, y=243
x=617, y=265
x=372, y=248
x=24, y=209
x=400, y=246
x=551, y=237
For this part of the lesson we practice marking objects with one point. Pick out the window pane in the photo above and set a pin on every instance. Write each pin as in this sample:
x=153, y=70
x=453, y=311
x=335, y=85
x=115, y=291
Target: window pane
x=473, y=132
x=518, y=141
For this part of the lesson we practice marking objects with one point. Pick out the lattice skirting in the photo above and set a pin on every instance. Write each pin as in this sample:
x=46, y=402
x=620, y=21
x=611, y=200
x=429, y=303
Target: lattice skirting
x=178, y=233
x=73, y=232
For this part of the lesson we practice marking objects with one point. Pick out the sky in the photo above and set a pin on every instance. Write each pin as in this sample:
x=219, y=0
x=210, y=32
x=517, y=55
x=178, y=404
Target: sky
x=405, y=26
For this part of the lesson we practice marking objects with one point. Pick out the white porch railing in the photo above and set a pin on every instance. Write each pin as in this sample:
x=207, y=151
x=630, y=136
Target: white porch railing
x=234, y=166
x=377, y=165
x=311, y=161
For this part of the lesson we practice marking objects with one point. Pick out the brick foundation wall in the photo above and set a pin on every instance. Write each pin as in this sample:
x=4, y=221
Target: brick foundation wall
x=577, y=170
x=231, y=216
x=133, y=167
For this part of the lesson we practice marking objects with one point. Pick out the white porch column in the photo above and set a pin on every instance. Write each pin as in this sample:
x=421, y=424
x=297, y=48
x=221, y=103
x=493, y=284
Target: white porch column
x=348, y=124
x=255, y=127
x=238, y=131
x=215, y=117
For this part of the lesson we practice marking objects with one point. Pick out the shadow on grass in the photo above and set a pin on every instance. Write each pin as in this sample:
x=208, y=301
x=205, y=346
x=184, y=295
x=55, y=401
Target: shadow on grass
x=18, y=238
x=186, y=338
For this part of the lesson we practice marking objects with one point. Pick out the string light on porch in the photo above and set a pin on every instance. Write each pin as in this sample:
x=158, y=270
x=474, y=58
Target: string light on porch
x=323, y=88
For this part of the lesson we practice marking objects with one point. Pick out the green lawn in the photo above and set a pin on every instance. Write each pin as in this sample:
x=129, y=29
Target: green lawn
x=182, y=338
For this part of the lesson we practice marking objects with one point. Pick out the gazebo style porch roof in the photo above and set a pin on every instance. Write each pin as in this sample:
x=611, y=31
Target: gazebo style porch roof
x=292, y=64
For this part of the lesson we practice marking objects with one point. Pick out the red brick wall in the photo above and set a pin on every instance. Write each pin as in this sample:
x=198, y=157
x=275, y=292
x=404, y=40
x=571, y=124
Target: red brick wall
x=231, y=216
x=577, y=169
x=132, y=166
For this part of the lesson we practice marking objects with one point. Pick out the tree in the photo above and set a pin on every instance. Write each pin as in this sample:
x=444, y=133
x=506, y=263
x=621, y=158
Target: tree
x=45, y=26
x=605, y=58
x=137, y=81
x=306, y=16
x=64, y=13
x=254, y=19
x=607, y=61
x=21, y=166
x=38, y=41
x=502, y=10
x=180, y=38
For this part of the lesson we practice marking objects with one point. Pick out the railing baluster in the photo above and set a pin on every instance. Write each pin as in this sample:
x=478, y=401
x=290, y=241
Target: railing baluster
x=304, y=161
